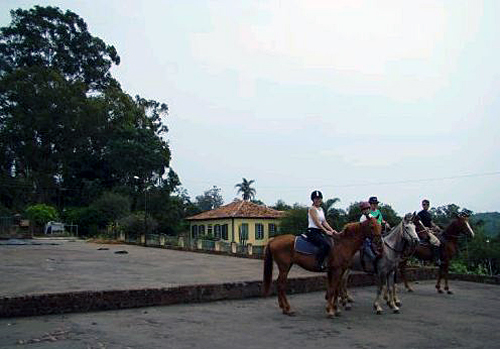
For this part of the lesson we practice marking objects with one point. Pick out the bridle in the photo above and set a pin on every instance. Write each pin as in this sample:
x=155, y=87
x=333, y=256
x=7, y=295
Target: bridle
x=405, y=241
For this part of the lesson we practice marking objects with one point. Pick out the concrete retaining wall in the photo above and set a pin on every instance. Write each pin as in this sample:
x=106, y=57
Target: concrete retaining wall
x=58, y=303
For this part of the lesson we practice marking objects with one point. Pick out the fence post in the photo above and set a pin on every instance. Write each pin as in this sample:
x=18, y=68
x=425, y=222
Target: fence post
x=199, y=244
x=181, y=241
x=249, y=249
x=233, y=247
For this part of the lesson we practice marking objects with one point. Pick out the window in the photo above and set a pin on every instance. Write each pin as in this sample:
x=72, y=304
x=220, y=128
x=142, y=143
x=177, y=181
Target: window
x=259, y=231
x=217, y=231
x=194, y=231
x=209, y=230
x=201, y=230
x=272, y=229
x=244, y=232
x=224, y=232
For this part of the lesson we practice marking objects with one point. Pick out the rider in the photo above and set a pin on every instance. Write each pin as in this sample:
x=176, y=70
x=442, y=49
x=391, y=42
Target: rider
x=317, y=226
x=426, y=219
x=372, y=208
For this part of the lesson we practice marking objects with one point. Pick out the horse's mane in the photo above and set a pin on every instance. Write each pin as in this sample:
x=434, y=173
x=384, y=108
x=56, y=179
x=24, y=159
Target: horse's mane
x=350, y=229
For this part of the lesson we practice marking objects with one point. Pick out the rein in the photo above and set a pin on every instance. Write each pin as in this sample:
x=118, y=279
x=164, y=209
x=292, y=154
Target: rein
x=404, y=241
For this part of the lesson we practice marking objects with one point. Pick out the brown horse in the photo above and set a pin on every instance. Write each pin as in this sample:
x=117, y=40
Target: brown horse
x=460, y=225
x=281, y=250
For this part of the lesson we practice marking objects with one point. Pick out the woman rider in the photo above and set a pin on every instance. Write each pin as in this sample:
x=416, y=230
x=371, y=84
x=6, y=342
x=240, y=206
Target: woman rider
x=317, y=225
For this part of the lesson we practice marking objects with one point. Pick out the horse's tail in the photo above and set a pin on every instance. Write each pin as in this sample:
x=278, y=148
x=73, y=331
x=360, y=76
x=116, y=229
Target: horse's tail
x=268, y=270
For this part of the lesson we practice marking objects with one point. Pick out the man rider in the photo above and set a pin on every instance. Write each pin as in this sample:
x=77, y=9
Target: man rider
x=426, y=219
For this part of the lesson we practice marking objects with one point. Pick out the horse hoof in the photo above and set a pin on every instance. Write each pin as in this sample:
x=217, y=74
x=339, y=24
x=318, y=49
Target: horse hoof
x=440, y=291
x=379, y=312
x=449, y=292
x=348, y=307
x=398, y=303
x=338, y=313
x=410, y=290
x=396, y=311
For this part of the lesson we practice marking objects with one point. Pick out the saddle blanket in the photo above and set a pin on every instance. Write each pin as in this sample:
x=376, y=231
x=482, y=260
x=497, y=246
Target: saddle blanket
x=303, y=245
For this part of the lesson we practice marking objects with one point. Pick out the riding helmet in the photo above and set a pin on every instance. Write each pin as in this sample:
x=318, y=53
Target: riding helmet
x=316, y=194
x=373, y=200
x=363, y=205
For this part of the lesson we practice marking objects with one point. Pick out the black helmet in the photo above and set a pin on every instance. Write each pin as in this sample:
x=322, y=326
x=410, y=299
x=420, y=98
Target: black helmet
x=373, y=200
x=316, y=194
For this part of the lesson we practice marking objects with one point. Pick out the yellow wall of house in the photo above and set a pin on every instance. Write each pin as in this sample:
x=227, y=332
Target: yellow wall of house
x=238, y=223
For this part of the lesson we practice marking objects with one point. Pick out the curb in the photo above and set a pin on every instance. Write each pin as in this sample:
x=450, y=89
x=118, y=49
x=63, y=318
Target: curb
x=88, y=301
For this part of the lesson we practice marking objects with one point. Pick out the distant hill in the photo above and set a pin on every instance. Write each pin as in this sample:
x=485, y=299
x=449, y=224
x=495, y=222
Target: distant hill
x=491, y=222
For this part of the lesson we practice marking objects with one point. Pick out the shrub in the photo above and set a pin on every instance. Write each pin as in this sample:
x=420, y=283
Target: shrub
x=40, y=214
x=134, y=224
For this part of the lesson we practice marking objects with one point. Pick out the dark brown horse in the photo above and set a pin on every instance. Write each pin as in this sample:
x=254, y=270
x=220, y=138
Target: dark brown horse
x=281, y=250
x=460, y=225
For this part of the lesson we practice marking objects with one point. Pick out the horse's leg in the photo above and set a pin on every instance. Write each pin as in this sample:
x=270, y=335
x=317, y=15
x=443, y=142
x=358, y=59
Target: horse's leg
x=329, y=294
x=346, y=298
x=440, y=275
x=392, y=292
x=446, y=288
x=380, y=284
x=282, y=300
x=397, y=301
x=402, y=270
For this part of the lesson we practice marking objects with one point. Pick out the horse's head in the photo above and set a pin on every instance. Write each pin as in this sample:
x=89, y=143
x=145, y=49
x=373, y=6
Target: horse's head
x=462, y=221
x=409, y=230
x=373, y=230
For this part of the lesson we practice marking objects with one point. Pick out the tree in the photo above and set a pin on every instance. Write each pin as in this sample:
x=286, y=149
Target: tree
x=65, y=123
x=60, y=41
x=294, y=221
x=210, y=199
x=245, y=188
x=280, y=205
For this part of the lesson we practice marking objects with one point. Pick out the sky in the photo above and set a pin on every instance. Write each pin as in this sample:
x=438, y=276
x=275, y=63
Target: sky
x=398, y=100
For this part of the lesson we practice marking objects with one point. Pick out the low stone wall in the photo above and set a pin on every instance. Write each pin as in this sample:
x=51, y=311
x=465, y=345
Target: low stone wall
x=70, y=302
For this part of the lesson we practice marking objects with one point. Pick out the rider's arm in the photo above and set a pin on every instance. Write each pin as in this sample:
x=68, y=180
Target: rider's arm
x=329, y=229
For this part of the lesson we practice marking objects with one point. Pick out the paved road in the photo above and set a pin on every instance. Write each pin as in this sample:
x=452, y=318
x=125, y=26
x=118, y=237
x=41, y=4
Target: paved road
x=79, y=266
x=467, y=319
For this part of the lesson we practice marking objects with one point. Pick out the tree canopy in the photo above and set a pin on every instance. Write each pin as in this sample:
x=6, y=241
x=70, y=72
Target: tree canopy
x=66, y=126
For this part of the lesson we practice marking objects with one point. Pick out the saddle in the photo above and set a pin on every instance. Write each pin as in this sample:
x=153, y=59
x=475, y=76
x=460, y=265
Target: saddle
x=304, y=246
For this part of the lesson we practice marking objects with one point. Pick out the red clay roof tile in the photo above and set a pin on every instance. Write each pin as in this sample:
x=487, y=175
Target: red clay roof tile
x=238, y=209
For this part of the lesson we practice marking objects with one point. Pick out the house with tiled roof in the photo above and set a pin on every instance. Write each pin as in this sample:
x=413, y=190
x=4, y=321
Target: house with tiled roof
x=242, y=222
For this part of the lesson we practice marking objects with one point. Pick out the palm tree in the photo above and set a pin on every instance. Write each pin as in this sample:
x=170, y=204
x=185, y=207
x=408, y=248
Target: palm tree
x=244, y=188
x=330, y=203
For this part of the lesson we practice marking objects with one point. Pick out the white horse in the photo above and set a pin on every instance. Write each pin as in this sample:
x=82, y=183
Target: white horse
x=398, y=244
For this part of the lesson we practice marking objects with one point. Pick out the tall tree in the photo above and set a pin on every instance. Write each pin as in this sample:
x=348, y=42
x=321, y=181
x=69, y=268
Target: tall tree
x=246, y=190
x=210, y=199
x=65, y=123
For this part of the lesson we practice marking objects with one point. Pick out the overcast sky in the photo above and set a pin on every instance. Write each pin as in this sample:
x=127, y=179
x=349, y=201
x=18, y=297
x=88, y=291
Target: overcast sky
x=355, y=98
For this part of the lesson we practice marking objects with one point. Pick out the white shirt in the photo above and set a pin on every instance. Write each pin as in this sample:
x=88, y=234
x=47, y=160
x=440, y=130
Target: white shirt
x=363, y=217
x=321, y=217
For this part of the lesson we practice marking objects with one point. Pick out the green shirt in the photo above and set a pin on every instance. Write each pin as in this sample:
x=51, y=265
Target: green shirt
x=378, y=215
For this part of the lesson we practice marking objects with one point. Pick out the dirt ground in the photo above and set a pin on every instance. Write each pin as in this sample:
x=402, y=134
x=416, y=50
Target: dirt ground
x=467, y=319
